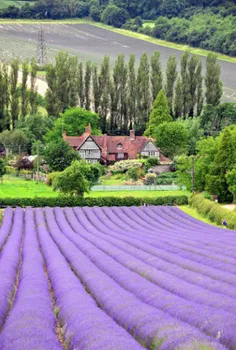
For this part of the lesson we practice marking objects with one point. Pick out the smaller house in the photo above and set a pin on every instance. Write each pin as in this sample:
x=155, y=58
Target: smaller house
x=110, y=149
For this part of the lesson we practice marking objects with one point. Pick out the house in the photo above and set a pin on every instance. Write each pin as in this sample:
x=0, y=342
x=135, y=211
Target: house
x=110, y=149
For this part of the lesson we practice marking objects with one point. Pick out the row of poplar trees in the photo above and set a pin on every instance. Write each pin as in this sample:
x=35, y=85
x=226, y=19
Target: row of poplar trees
x=18, y=95
x=123, y=95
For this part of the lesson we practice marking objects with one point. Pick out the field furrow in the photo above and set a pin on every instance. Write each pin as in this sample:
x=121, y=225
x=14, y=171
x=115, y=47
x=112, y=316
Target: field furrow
x=31, y=323
x=9, y=266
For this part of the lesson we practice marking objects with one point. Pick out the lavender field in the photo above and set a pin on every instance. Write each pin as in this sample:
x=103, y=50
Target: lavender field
x=115, y=278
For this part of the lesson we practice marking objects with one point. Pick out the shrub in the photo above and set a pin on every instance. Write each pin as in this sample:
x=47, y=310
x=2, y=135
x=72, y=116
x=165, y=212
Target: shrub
x=132, y=174
x=124, y=165
x=65, y=201
x=150, y=179
x=51, y=177
x=10, y=170
x=213, y=211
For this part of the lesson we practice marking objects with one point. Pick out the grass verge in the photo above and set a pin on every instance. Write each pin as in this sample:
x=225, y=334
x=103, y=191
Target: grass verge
x=193, y=212
x=129, y=33
x=137, y=194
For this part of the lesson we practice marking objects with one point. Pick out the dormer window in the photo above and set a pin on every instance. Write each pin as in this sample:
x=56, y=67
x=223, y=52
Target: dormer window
x=119, y=146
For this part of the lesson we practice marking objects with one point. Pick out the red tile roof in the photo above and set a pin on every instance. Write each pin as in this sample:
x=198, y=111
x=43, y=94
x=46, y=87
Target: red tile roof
x=131, y=145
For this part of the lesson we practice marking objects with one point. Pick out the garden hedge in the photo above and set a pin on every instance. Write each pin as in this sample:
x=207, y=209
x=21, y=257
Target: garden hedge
x=91, y=202
x=213, y=211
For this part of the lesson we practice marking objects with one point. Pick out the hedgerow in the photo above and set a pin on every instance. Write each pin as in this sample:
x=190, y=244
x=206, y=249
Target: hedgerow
x=213, y=211
x=91, y=202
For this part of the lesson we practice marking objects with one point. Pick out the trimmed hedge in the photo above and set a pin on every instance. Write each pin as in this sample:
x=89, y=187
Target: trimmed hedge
x=91, y=202
x=213, y=211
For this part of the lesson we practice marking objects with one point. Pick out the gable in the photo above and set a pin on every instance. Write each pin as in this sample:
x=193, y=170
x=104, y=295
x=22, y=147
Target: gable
x=150, y=147
x=89, y=144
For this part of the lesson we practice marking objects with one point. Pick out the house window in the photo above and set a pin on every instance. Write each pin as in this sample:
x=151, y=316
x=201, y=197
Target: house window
x=152, y=153
x=119, y=146
x=120, y=155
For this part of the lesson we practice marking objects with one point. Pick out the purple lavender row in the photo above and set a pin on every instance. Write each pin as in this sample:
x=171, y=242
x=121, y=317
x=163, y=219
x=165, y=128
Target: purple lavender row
x=159, y=264
x=150, y=326
x=31, y=323
x=172, y=283
x=6, y=225
x=132, y=216
x=9, y=262
x=86, y=325
x=209, y=237
x=165, y=261
x=187, y=311
x=161, y=246
x=177, y=250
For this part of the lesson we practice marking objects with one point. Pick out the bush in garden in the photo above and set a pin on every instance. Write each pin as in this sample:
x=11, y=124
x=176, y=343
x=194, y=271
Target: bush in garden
x=10, y=170
x=133, y=174
x=125, y=165
x=51, y=177
x=150, y=179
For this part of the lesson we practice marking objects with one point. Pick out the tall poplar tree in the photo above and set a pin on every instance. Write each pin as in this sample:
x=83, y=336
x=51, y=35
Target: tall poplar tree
x=73, y=81
x=132, y=102
x=52, y=102
x=24, y=95
x=193, y=81
x=185, y=82
x=81, y=85
x=120, y=76
x=178, y=99
x=143, y=93
x=96, y=88
x=14, y=91
x=33, y=89
x=171, y=75
x=104, y=83
x=87, y=84
x=199, y=93
x=213, y=84
x=156, y=74
x=4, y=96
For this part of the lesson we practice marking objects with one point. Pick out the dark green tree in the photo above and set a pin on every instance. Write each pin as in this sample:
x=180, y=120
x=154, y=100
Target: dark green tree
x=160, y=114
x=104, y=84
x=24, y=95
x=59, y=155
x=72, y=180
x=132, y=102
x=185, y=82
x=87, y=84
x=14, y=92
x=156, y=74
x=178, y=99
x=81, y=85
x=213, y=84
x=33, y=100
x=171, y=75
x=143, y=93
x=172, y=139
x=96, y=88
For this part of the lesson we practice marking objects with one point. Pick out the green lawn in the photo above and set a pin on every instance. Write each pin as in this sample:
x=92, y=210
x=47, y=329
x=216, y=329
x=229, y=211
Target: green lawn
x=14, y=187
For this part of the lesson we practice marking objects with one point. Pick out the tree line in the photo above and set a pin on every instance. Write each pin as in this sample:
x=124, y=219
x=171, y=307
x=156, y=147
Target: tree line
x=123, y=95
x=16, y=101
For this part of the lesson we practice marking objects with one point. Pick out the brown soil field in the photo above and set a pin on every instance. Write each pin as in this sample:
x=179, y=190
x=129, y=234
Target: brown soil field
x=91, y=43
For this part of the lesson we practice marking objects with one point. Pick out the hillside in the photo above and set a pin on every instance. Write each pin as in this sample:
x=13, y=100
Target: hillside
x=209, y=25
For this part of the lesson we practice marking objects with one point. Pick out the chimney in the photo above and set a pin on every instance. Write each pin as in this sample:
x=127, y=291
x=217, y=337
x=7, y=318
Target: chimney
x=88, y=129
x=64, y=134
x=132, y=134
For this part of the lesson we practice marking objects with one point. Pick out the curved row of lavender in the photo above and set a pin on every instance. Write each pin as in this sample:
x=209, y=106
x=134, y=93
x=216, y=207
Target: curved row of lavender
x=115, y=278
